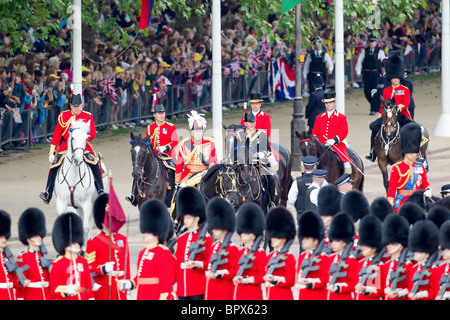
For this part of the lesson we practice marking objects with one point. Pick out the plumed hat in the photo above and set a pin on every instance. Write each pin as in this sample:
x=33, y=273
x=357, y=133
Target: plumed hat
x=412, y=212
x=355, y=204
x=370, y=232
x=67, y=229
x=380, y=208
x=280, y=223
x=410, y=138
x=395, y=67
x=99, y=209
x=328, y=201
x=444, y=235
x=154, y=218
x=220, y=215
x=310, y=225
x=31, y=223
x=76, y=100
x=395, y=229
x=438, y=215
x=190, y=201
x=342, y=228
x=424, y=237
x=5, y=224
x=196, y=121
x=250, y=219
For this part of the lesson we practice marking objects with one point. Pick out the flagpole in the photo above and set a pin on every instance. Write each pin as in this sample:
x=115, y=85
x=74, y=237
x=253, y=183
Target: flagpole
x=340, y=64
x=76, y=47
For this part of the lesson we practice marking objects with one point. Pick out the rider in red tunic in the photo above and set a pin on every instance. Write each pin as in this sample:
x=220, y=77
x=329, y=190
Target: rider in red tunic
x=263, y=120
x=61, y=136
x=163, y=134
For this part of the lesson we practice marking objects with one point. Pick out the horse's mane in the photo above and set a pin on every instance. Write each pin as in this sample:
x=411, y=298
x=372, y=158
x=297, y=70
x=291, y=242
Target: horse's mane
x=235, y=127
x=211, y=171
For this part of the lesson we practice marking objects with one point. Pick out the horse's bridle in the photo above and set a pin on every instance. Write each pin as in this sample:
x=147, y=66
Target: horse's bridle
x=229, y=173
x=138, y=163
x=389, y=142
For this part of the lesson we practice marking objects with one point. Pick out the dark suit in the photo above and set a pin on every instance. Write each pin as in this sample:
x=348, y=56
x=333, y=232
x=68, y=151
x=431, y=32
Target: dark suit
x=406, y=81
x=315, y=107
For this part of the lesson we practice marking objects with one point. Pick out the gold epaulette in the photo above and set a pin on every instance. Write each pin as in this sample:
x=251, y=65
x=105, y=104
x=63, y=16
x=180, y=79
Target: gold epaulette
x=169, y=123
x=209, y=139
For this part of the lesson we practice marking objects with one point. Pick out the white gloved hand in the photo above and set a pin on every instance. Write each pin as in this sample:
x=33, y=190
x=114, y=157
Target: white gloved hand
x=161, y=149
x=330, y=142
x=70, y=290
x=373, y=92
x=125, y=285
x=428, y=193
x=273, y=162
x=261, y=155
x=51, y=157
x=182, y=185
x=109, y=266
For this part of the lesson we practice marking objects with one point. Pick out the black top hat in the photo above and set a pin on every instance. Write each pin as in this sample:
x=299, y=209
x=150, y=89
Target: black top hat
x=355, y=204
x=67, y=229
x=76, y=100
x=159, y=108
x=220, y=215
x=280, y=223
x=410, y=138
x=5, y=224
x=250, y=219
x=154, y=219
x=345, y=178
x=255, y=98
x=192, y=202
x=424, y=237
x=31, y=223
x=395, y=229
x=318, y=80
x=249, y=117
x=329, y=97
x=370, y=232
x=342, y=228
x=310, y=225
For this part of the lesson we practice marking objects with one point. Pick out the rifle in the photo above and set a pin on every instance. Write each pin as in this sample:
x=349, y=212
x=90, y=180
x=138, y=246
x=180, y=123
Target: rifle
x=12, y=266
x=45, y=260
x=444, y=284
x=244, y=262
x=367, y=272
x=396, y=276
x=198, y=246
x=216, y=258
x=307, y=264
x=276, y=262
x=418, y=278
x=173, y=241
x=335, y=269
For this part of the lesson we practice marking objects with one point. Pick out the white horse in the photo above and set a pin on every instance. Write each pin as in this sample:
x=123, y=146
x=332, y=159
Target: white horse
x=74, y=186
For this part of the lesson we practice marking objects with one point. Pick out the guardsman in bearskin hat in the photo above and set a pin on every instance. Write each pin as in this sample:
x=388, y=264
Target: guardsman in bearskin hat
x=263, y=120
x=371, y=270
x=108, y=255
x=328, y=205
x=70, y=277
x=344, y=267
x=408, y=176
x=439, y=215
x=380, y=208
x=395, y=232
x=8, y=281
x=32, y=231
x=313, y=264
x=191, y=265
x=442, y=272
x=280, y=275
x=196, y=154
x=412, y=212
x=60, y=137
x=155, y=275
x=223, y=263
x=250, y=225
x=423, y=241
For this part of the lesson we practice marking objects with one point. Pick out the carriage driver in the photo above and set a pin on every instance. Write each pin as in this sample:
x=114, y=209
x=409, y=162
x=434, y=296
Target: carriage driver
x=60, y=137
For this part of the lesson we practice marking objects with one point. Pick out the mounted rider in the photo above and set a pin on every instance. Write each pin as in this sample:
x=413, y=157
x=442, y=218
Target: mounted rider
x=60, y=138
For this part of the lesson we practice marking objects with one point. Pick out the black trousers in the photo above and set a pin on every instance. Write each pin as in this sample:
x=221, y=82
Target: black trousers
x=370, y=82
x=375, y=127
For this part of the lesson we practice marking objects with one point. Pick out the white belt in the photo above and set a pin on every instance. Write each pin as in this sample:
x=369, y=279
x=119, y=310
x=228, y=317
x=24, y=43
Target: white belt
x=42, y=284
x=116, y=273
x=6, y=285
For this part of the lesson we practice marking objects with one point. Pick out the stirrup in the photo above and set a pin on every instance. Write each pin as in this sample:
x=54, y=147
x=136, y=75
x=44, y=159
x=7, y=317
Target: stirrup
x=44, y=195
x=131, y=199
x=371, y=157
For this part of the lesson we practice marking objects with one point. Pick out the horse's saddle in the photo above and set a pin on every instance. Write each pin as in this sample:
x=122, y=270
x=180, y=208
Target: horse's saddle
x=88, y=158
x=168, y=162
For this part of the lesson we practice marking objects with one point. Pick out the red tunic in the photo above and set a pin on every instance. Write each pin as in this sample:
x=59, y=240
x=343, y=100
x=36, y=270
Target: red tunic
x=282, y=290
x=252, y=291
x=7, y=281
x=163, y=134
x=191, y=282
x=402, y=98
x=390, y=266
x=66, y=271
x=432, y=288
x=348, y=282
x=375, y=285
x=39, y=286
x=263, y=122
x=318, y=278
x=155, y=274
x=441, y=270
x=98, y=253
x=333, y=127
x=223, y=288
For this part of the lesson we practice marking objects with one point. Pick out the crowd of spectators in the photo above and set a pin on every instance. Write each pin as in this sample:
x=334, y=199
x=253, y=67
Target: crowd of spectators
x=169, y=56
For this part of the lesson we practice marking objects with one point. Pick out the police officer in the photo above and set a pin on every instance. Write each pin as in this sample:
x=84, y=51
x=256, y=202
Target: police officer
x=297, y=192
x=311, y=195
x=315, y=104
x=369, y=64
x=318, y=61
x=445, y=190
x=344, y=183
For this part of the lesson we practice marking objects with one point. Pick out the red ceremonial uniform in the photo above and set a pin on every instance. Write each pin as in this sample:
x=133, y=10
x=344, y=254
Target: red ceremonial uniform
x=439, y=272
x=191, y=282
x=283, y=289
x=155, y=274
x=39, y=286
x=431, y=289
x=316, y=290
x=335, y=127
x=98, y=253
x=71, y=271
x=62, y=130
x=163, y=134
x=346, y=283
x=402, y=98
x=189, y=160
x=263, y=122
x=7, y=281
x=223, y=288
x=374, y=286
x=252, y=291
x=390, y=266
x=405, y=178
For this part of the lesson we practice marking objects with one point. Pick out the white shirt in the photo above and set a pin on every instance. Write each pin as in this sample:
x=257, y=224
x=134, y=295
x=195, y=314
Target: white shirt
x=328, y=61
x=358, y=66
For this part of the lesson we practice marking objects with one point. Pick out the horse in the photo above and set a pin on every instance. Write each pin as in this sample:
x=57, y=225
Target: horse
x=387, y=142
x=74, y=186
x=330, y=161
x=150, y=176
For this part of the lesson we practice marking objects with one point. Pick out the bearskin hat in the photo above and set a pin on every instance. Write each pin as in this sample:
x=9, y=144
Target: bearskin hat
x=438, y=215
x=154, y=218
x=395, y=229
x=67, y=229
x=99, y=209
x=424, y=237
x=342, y=228
x=5, y=224
x=328, y=201
x=355, y=204
x=380, y=208
x=280, y=223
x=370, y=232
x=250, y=219
x=190, y=201
x=395, y=67
x=310, y=225
x=31, y=223
x=444, y=235
x=220, y=215
x=412, y=212
x=410, y=138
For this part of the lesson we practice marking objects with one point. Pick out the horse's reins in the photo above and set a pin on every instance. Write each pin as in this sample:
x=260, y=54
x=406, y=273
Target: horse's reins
x=141, y=178
x=322, y=155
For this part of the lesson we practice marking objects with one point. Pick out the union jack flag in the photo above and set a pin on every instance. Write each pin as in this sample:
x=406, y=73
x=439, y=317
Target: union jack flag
x=264, y=49
x=226, y=71
x=256, y=60
x=235, y=67
x=110, y=88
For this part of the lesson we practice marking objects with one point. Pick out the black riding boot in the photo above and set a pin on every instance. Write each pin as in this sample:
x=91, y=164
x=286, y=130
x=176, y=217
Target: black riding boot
x=47, y=194
x=372, y=156
x=97, y=178
x=131, y=198
x=171, y=175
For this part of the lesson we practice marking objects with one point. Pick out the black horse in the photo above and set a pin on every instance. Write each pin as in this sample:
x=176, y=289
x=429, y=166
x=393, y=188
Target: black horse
x=330, y=161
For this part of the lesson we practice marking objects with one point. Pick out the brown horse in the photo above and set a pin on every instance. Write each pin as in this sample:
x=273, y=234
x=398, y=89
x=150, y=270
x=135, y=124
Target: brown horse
x=330, y=161
x=387, y=142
